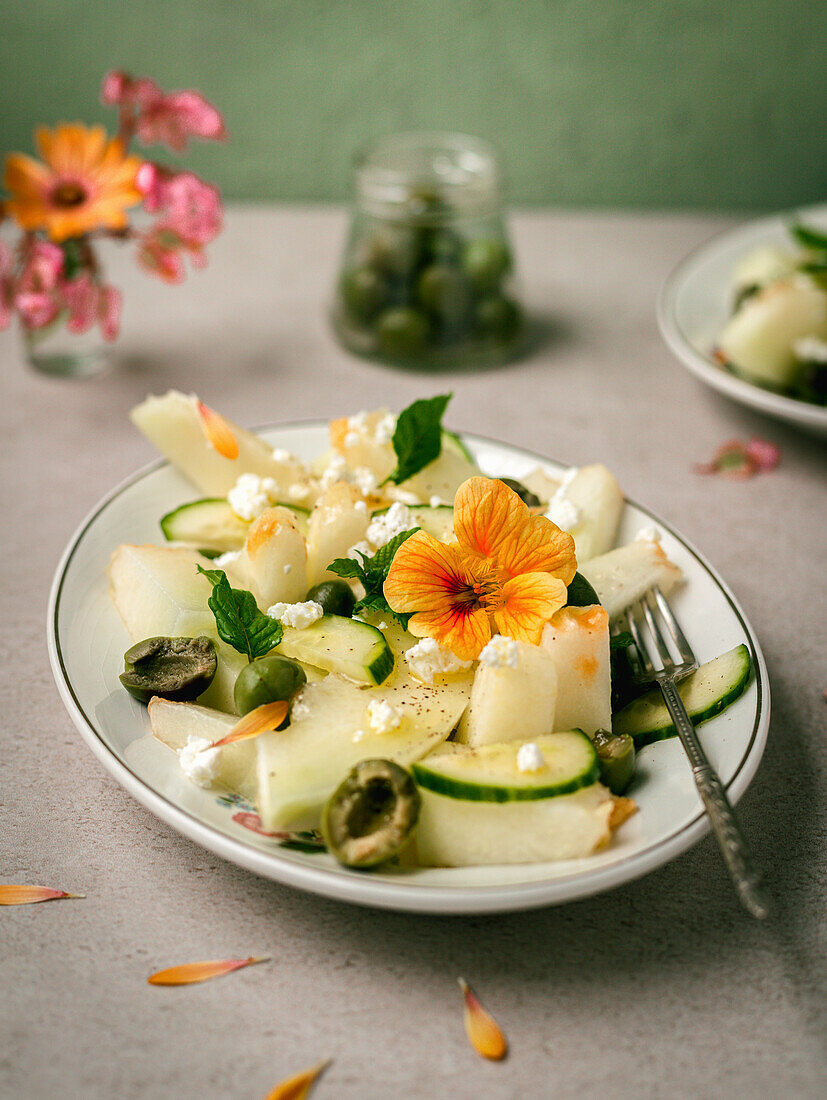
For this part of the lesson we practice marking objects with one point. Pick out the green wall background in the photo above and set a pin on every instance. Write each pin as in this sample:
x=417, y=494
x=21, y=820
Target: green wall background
x=685, y=103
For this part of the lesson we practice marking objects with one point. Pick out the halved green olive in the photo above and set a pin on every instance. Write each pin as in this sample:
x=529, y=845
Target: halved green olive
x=371, y=816
x=580, y=592
x=525, y=495
x=180, y=669
x=616, y=756
x=402, y=332
x=335, y=597
x=266, y=680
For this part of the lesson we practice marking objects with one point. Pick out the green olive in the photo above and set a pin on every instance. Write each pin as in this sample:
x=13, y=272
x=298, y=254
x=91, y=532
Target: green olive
x=402, y=332
x=364, y=291
x=371, y=816
x=442, y=245
x=525, y=495
x=180, y=669
x=485, y=261
x=396, y=250
x=581, y=593
x=443, y=292
x=335, y=597
x=265, y=680
x=497, y=318
x=616, y=756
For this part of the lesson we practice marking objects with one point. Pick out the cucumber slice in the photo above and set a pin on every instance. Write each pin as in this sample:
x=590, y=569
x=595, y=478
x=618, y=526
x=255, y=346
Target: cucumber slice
x=212, y=524
x=336, y=644
x=705, y=693
x=452, y=442
x=437, y=521
x=490, y=773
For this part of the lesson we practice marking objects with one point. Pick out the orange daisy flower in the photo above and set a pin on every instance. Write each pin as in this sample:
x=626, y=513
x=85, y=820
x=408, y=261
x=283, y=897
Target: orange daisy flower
x=88, y=181
x=507, y=570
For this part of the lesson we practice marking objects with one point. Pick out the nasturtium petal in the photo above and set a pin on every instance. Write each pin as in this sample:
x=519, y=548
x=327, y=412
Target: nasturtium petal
x=529, y=602
x=14, y=894
x=486, y=514
x=269, y=716
x=539, y=547
x=191, y=973
x=300, y=1085
x=424, y=574
x=484, y=1034
x=218, y=432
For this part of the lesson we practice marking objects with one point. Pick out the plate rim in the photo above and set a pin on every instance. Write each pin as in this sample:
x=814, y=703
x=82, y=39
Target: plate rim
x=387, y=893
x=737, y=389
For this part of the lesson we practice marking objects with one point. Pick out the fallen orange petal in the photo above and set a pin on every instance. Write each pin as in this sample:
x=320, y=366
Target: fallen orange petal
x=268, y=716
x=190, y=973
x=482, y=1030
x=31, y=895
x=298, y=1087
x=218, y=432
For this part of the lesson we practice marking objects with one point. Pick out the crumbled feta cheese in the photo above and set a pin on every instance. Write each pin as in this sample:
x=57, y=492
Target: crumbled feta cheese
x=388, y=525
x=336, y=470
x=358, y=422
x=809, y=349
x=352, y=439
x=561, y=510
x=501, y=652
x=648, y=534
x=530, y=758
x=404, y=496
x=382, y=716
x=199, y=761
x=251, y=495
x=427, y=659
x=361, y=507
x=297, y=615
x=280, y=455
x=223, y=560
x=297, y=491
x=435, y=502
x=362, y=547
x=357, y=736
x=365, y=480
x=288, y=568
x=383, y=625
x=298, y=709
x=383, y=432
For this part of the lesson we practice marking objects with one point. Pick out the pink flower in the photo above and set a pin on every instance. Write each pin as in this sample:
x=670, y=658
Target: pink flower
x=739, y=460
x=81, y=298
x=190, y=207
x=766, y=456
x=160, y=256
x=36, y=297
x=115, y=85
x=158, y=118
x=109, y=312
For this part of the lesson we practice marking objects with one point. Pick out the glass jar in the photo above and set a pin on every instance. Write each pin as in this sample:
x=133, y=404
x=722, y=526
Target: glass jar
x=427, y=278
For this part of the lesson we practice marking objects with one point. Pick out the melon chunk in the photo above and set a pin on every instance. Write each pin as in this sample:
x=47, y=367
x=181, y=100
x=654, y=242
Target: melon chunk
x=175, y=425
x=577, y=638
x=622, y=576
x=273, y=561
x=159, y=591
x=330, y=731
x=597, y=496
x=511, y=703
x=335, y=526
x=454, y=832
x=174, y=723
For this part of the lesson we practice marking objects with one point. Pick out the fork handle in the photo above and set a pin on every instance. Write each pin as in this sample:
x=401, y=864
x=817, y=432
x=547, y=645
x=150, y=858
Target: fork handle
x=746, y=876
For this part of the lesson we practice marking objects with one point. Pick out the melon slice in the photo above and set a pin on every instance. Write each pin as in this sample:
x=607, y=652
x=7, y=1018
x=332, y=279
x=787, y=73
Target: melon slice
x=577, y=638
x=273, y=561
x=335, y=526
x=511, y=703
x=176, y=424
x=159, y=591
x=597, y=496
x=622, y=576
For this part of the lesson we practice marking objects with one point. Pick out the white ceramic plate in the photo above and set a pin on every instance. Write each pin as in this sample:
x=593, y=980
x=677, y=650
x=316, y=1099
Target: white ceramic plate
x=86, y=645
x=694, y=305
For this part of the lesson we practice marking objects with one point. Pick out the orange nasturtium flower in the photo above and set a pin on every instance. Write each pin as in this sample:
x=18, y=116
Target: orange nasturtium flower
x=87, y=182
x=507, y=572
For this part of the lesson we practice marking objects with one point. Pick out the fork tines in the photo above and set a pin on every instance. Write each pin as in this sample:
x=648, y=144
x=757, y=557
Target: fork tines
x=657, y=635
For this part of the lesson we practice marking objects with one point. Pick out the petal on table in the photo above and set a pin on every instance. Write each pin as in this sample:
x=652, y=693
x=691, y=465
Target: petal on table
x=11, y=894
x=298, y=1087
x=483, y=1032
x=190, y=973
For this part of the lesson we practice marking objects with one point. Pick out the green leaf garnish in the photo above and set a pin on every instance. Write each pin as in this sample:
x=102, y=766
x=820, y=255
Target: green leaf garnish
x=238, y=619
x=810, y=238
x=622, y=640
x=417, y=439
x=372, y=574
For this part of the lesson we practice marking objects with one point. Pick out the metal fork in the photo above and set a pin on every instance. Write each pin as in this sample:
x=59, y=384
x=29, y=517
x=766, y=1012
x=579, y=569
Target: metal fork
x=652, y=610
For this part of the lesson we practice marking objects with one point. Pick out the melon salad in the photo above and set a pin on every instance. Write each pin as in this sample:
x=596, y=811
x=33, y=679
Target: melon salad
x=274, y=666
x=777, y=334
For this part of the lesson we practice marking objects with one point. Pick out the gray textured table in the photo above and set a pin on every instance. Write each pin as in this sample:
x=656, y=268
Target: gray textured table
x=661, y=988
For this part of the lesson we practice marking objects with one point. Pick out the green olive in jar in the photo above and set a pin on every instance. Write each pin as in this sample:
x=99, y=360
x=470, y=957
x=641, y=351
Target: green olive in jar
x=402, y=332
x=497, y=318
x=485, y=261
x=443, y=293
x=364, y=291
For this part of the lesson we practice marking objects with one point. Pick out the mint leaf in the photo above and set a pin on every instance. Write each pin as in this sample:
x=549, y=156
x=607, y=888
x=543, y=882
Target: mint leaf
x=238, y=619
x=622, y=640
x=810, y=238
x=372, y=573
x=417, y=439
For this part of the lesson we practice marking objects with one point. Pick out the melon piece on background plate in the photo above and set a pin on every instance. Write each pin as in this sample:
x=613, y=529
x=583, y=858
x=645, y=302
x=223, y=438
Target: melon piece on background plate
x=272, y=564
x=174, y=723
x=577, y=638
x=622, y=576
x=192, y=437
x=513, y=700
x=330, y=731
x=158, y=591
